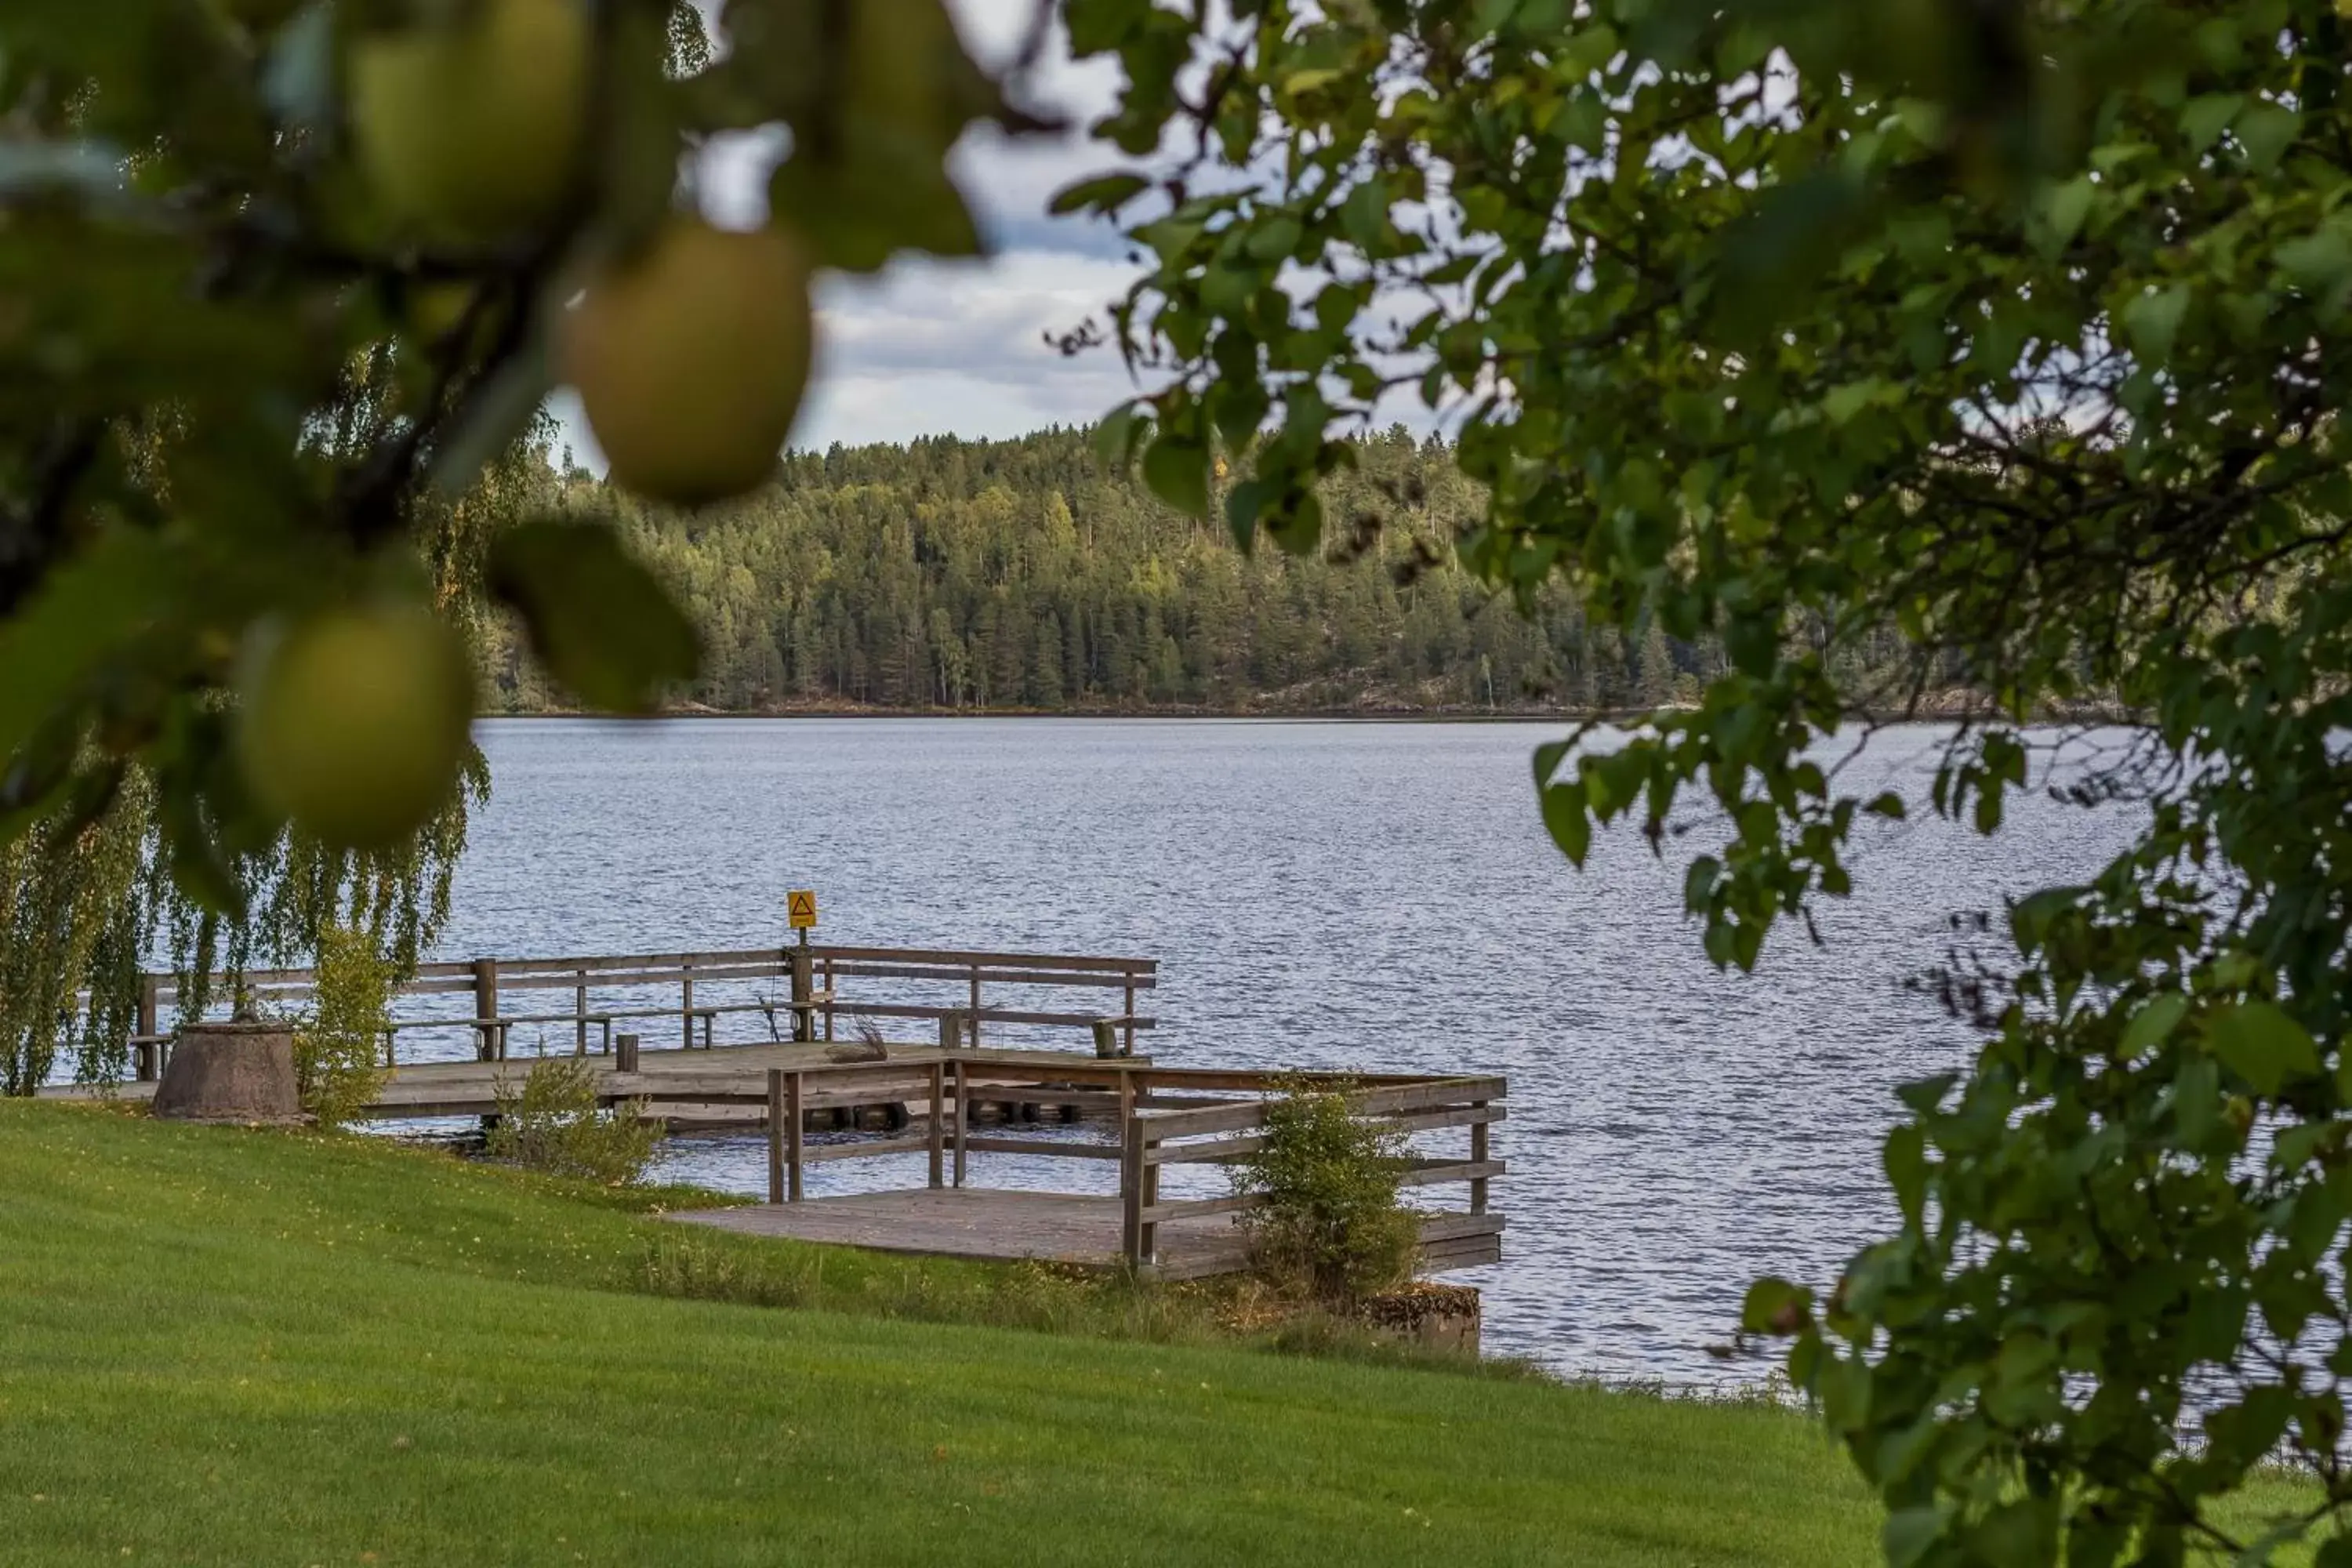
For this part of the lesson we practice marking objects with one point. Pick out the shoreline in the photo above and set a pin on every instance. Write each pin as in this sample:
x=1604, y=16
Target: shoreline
x=2089, y=714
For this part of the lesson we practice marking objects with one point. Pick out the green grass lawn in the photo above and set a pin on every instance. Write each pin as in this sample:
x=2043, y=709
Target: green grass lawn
x=221, y=1346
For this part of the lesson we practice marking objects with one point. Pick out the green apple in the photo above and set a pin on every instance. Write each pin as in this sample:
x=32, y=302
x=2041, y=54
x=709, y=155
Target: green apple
x=354, y=723
x=474, y=130
x=691, y=358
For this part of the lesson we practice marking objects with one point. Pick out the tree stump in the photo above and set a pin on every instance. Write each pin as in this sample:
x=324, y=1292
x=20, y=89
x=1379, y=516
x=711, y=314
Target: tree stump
x=231, y=1072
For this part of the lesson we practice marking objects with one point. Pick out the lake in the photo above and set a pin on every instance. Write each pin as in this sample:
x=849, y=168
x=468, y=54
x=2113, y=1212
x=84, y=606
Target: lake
x=1377, y=896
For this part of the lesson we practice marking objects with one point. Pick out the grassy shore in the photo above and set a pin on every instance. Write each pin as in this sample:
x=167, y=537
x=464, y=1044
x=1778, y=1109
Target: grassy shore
x=235, y=1347
x=243, y=1347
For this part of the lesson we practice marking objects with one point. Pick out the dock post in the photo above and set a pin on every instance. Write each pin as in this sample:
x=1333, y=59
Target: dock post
x=828, y=1000
x=686, y=1006
x=975, y=1006
x=1148, y=1230
x=486, y=1007
x=956, y=1105
x=1105, y=1038
x=794, y=1118
x=775, y=1135
x=939, y=1123
x=580, y=1012
x=1478, y=1157
x=804, y=1019
x=1130, y=1013
x=1131, y=1188
x=951, y=1032
x=624, y=1053
x=150, y=1022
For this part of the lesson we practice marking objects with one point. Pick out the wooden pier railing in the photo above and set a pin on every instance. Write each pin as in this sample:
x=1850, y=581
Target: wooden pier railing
x=814, y=981
x=1168, y=1118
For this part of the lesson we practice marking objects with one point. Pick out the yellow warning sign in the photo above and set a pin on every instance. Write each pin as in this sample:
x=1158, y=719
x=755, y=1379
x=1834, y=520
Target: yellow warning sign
x=802, y=902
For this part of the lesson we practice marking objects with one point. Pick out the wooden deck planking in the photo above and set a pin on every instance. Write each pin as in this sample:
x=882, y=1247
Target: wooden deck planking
x=998, y=1225
x=468, y=1088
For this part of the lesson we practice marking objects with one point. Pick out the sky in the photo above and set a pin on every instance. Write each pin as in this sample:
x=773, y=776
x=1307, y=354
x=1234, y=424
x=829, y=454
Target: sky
x=933, y=347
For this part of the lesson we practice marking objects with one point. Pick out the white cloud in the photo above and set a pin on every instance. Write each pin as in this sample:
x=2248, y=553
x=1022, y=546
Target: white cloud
x=936, y=348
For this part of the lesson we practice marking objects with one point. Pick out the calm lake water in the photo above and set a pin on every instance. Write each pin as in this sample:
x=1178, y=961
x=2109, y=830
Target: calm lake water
x=1334, y=895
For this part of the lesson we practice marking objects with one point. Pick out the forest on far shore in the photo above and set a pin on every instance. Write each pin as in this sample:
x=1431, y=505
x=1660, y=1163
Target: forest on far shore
x=947, y=575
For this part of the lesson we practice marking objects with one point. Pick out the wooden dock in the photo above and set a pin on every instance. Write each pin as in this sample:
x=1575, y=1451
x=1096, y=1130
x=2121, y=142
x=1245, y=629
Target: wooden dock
x=1167, y=1118
x=950, y=1101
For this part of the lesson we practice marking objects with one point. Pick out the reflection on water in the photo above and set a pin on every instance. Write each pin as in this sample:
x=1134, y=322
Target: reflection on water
x=1374, y=896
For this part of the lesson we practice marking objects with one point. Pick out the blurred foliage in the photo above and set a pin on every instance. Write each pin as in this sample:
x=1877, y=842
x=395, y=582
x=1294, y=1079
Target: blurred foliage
x=284, y=281
x=284, y=285
x=2018, y=326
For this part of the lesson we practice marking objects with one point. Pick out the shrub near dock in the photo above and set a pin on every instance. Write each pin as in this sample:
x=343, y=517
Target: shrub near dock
x=1328, y=1226
x=551, y=1123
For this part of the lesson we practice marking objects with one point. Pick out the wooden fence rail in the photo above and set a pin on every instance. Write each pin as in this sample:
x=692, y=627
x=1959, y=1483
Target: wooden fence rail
x=810, y=1003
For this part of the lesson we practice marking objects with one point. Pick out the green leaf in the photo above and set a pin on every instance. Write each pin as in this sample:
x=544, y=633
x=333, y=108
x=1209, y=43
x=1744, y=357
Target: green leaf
x=2266, y=130
x=596, y=618
x=2152, y=321
x=2196, y=1100
x=1116, y=438
x=1245, y=504
x=1105, y=194
x=2319, y=260
x=2030, y=918
x=2261, y=1044
x=1699, y=881
x=2204, y=118
x=2062, y=209
x=2153, y=1023
x=1888, y=806
x=1909, y=1533
x=1924, y=1095
x=1774, y=256
x=501, y=409
x=1905, y=1159
x=88, y=606
x=1774, y=1306
x=1843, y=403
x=1567, y=820
x=1176, y=469
x=892, y=195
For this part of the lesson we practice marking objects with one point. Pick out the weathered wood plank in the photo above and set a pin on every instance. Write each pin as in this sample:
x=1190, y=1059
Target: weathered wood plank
x=1223, y=1150
x=1046, y=1146
x=817, y=1154
x=1450, y=1170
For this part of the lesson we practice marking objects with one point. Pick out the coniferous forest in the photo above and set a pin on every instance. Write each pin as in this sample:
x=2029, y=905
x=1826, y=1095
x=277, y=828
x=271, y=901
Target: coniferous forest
x=948, y=575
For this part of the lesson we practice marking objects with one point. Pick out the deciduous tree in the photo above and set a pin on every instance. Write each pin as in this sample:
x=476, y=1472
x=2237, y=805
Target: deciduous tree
x=2017, y=327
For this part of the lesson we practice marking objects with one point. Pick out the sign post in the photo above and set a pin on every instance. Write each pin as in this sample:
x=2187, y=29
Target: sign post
x=799, y=905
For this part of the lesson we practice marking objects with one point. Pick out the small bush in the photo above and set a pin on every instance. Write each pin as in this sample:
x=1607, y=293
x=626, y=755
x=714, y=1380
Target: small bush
x=551, y=1123
x=1329, y=1225
x=339, y=1041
